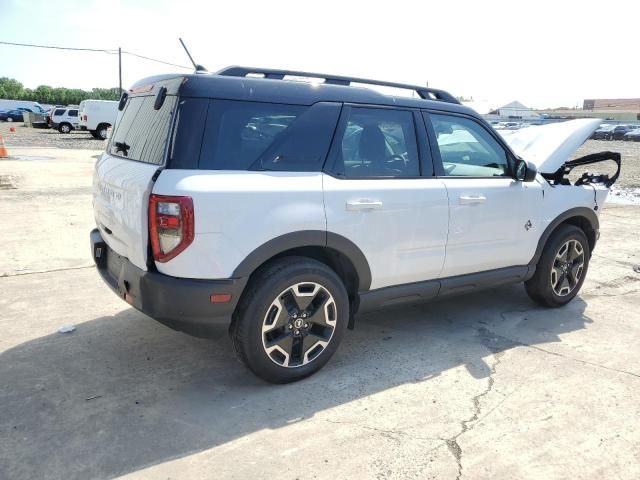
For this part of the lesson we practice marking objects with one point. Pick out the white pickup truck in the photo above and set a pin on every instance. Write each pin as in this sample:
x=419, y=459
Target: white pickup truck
x=97, y=116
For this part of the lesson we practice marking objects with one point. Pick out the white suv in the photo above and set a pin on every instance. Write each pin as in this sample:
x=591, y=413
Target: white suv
x=278, y=209
x=64, y=119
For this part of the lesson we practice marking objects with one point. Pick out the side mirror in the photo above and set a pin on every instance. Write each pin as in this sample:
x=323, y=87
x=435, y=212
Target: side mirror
x=525, y=172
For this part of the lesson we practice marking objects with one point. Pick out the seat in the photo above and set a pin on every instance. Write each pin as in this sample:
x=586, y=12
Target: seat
x=373, y=149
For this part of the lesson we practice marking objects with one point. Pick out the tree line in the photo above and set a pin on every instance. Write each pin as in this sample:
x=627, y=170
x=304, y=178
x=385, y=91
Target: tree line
x=11, y=89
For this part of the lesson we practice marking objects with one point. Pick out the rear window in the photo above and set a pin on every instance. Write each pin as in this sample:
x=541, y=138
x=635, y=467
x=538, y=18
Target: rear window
x=141, y=131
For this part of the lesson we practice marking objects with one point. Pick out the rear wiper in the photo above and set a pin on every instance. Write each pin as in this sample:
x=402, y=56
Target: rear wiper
x=122, y=147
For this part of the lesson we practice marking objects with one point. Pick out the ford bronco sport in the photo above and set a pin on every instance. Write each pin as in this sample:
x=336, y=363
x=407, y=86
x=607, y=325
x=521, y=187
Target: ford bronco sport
x=277, y=209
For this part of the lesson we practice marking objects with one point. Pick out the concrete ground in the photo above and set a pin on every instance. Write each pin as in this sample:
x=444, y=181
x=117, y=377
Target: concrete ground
x=483, y=386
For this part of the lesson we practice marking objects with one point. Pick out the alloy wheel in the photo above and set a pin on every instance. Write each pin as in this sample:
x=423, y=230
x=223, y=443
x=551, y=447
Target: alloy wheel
x=299, y=324
x=567, y=268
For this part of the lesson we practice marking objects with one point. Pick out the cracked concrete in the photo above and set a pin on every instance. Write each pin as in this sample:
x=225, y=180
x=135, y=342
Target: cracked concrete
x=483, y=386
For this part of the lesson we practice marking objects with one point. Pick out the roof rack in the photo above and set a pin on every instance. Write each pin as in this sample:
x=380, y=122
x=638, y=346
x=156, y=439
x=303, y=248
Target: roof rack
x=275, y=74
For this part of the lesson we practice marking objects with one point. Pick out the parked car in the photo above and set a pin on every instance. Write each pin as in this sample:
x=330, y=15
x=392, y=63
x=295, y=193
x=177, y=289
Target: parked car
x=97, y=116
x=12, y=116
x=618, y=132
x=279, y=209
x=633, y=135
x=603, y=132
x=64, y=119
x=6, y=105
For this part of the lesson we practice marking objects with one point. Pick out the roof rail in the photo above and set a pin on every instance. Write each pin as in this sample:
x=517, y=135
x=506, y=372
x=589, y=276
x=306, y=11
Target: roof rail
x=276, y=74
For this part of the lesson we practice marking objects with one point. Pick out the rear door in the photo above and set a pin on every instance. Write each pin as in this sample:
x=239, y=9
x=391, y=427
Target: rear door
x=380, y=194
x=124, y=174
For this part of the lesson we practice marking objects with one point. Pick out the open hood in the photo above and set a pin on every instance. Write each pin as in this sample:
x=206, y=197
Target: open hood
x=550, y=146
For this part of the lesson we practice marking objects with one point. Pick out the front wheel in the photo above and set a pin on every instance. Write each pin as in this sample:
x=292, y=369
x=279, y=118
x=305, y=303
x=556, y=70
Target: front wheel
x=9, y=119
x=561, y=269
x=290, y=320
x=64, y=128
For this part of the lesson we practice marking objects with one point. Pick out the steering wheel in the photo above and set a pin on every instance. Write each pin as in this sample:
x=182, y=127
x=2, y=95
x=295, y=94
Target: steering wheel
x=396, y=158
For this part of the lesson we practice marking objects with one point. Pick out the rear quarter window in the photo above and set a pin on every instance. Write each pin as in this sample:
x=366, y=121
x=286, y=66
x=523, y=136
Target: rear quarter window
x=141, y=132
x=241, y=135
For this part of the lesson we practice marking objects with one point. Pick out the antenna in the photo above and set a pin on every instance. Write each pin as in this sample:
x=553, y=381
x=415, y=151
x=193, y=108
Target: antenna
x=198, y=67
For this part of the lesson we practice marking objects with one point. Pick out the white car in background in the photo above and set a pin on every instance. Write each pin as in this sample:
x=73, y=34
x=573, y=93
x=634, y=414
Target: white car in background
x=97, y=116
x=64, y=119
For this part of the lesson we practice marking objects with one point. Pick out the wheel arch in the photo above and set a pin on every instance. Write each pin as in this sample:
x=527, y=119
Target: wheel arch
x=336, y=251
x=581, y=217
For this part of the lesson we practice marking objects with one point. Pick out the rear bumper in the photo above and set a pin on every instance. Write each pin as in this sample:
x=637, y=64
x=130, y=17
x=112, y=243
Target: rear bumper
x=180, y=303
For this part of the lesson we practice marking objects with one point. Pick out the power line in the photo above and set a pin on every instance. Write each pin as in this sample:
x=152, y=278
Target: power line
x=103, y=50
x=59, y=48
x=155, y=60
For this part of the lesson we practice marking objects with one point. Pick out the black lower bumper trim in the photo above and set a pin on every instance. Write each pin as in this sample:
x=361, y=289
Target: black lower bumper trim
x=180, y=303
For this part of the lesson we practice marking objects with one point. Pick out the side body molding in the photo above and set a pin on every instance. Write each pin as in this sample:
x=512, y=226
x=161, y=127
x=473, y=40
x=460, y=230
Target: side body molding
x=308, y=238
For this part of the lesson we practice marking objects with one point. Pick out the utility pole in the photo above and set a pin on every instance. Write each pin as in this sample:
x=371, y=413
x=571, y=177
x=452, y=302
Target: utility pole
x=120, y=69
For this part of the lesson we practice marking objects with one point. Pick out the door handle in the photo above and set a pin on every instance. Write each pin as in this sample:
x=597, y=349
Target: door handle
x=363, y=204
x=471, y=199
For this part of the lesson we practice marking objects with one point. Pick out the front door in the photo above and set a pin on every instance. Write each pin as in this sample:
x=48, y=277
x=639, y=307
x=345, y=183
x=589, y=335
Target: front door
x=493, y=219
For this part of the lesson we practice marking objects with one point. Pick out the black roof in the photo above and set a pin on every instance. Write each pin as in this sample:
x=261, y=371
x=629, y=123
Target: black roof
x=232, y=84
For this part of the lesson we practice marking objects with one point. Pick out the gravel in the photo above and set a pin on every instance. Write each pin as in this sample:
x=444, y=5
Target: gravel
x=46, y=138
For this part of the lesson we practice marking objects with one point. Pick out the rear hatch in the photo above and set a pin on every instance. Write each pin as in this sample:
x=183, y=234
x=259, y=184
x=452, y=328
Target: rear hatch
x=125, y=172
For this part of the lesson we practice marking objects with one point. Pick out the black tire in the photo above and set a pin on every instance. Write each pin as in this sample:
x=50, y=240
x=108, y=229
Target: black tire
x=540, y=287
x=64, y=128
x=94, y=134
x=101, y=132
x=275, y=283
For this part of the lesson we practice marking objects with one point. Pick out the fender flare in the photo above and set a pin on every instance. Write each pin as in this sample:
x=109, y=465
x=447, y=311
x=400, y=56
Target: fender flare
x=583, y=212
x=307, y=238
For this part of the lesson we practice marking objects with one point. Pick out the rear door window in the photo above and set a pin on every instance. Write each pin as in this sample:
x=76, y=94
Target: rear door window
x=73, y=113
x=377, y=142
x=141, y=132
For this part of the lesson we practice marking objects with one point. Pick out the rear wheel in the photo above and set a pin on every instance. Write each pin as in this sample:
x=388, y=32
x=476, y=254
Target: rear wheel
x=291, y=319
x=561, y=269
x=9, y=119
x=101, y=132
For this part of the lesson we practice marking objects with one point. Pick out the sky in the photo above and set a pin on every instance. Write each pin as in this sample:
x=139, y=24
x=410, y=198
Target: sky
x=539, y=52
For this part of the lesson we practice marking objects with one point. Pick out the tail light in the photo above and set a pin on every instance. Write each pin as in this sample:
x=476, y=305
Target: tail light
x=171, y=225
x=84, y=118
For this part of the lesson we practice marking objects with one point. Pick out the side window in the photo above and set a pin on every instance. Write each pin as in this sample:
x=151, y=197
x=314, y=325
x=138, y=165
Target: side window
x=378, y=142
x=59, y=111
x=237, y=133
x=303, y=147
x=467, y=149
x=73, y=113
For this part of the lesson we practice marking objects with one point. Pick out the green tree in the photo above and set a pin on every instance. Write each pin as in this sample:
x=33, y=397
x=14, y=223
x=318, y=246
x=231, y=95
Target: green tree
x=44, y=94
x=12, y=88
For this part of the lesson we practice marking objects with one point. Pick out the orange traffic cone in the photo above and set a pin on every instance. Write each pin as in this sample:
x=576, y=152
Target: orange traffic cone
x=4, y=153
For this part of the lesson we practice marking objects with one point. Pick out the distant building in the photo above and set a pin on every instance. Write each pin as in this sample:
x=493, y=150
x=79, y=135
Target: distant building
x=515, y=111
x=612, y=104
x=617, y=109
